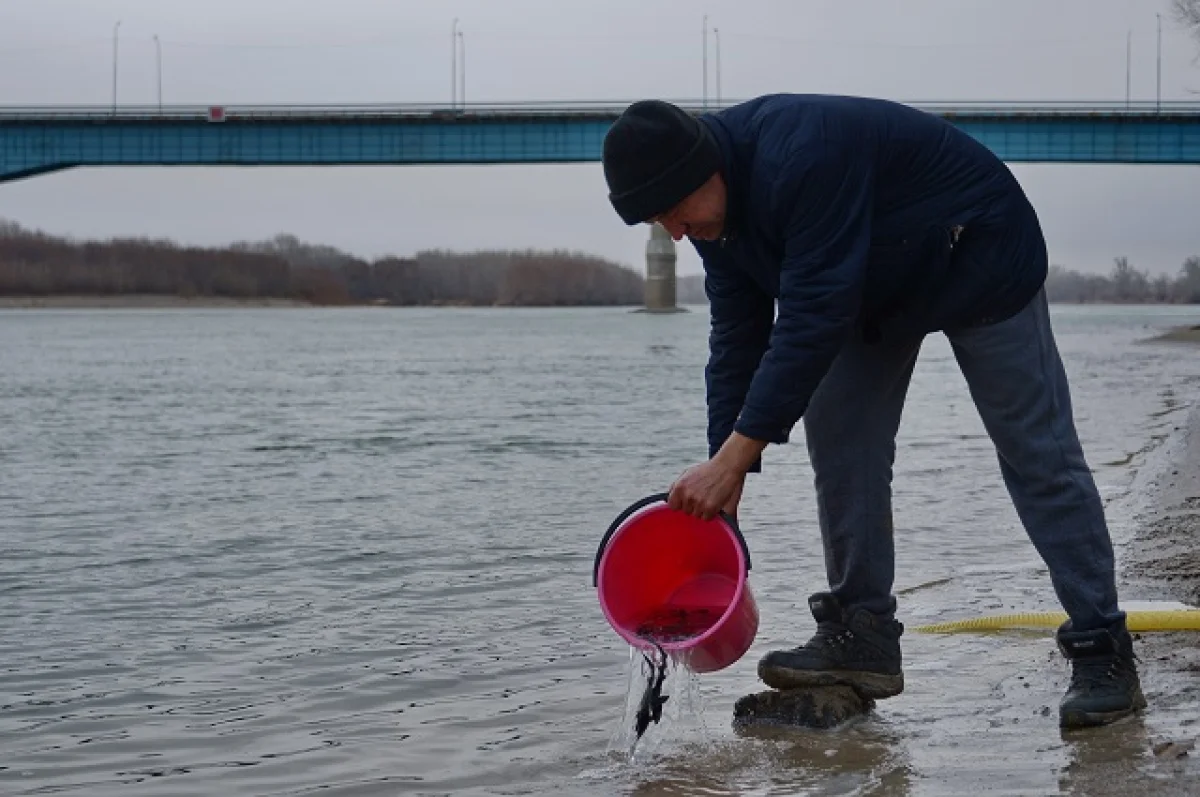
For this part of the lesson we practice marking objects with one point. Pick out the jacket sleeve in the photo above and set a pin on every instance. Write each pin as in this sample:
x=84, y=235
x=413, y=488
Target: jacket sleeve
x=741, y=318
x=822, y=203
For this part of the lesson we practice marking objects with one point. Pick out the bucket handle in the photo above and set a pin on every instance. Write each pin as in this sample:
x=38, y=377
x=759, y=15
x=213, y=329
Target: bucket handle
x=652, y=499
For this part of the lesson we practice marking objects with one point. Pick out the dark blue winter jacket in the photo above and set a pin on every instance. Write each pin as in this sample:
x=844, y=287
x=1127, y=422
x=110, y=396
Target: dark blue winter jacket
x=843, y=218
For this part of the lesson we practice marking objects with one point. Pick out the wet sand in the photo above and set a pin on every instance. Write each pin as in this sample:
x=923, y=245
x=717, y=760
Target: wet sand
x=1161, y=562
x=1185, y=334
x=1165, y=556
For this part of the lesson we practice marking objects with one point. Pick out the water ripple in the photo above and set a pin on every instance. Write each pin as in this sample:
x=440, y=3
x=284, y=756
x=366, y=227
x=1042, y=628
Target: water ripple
x=296, y=552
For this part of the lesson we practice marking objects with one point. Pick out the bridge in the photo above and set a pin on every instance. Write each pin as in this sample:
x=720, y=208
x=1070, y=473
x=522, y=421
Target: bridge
x=38, y=140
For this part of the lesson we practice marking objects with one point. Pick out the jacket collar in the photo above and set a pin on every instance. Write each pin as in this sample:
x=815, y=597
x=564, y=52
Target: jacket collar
x=731, y=173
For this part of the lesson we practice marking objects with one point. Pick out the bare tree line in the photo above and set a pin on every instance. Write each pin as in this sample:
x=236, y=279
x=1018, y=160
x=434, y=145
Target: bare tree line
x=1125, y=284
x=36, y=264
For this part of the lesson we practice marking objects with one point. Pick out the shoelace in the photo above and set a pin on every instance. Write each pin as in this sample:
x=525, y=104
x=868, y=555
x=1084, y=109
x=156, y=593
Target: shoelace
x=830, y=633
x=1089, y=675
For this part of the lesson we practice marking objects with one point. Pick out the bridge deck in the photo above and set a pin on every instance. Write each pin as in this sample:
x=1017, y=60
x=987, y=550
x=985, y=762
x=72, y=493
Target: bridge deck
x=34, y=140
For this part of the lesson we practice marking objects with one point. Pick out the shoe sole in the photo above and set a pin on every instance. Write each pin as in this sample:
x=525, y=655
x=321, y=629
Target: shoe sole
x=1073, y=718
x=871, y=685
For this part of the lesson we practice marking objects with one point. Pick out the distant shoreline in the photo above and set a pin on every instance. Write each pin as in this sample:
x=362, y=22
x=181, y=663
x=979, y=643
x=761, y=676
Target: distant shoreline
x=128, y=301
x=169, y=302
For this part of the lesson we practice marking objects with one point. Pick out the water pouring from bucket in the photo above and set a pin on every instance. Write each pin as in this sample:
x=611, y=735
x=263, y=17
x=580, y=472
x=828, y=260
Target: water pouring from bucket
x=673, y=585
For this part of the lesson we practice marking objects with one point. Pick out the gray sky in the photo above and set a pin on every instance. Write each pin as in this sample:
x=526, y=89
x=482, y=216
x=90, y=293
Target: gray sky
x=360, y=51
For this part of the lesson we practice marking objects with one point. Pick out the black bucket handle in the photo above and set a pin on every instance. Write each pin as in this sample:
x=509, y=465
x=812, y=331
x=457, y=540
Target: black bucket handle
x=653, y=499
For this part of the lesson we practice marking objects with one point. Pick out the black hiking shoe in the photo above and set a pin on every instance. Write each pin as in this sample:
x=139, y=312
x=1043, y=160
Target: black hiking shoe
x=855, y=649
x=1104, y=680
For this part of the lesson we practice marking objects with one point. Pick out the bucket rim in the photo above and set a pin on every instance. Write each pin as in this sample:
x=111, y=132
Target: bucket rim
x=638, y=507
x=643, y=507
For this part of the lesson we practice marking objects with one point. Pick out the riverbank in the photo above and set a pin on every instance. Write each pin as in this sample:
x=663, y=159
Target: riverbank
x=133, y=300
x=1185, y=334
x=1164, y=555
x=1160, y=562
x=1165, y=552
x=125, y=301
x=169, y=302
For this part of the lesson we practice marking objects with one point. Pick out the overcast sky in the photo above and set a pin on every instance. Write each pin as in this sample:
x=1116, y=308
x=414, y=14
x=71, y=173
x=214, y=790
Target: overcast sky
x=361, y=51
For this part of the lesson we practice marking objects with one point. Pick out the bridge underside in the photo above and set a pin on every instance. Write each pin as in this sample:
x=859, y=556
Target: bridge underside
x=36, y=142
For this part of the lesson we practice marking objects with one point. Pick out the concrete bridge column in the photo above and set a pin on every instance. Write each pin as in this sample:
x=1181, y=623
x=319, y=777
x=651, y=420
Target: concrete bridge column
x=660, y=271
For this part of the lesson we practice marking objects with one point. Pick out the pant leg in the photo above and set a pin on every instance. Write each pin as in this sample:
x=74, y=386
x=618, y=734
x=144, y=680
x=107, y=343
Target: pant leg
x=1017, y=381
x=850, y=430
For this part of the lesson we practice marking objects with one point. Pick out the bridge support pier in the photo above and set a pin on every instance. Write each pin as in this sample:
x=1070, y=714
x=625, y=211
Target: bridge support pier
x=660, y=272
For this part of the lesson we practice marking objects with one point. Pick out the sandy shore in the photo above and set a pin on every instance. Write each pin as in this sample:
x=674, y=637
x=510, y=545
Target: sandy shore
x=1158, y=752
x=1162, y=562
x=125, y=301
x=1190, y=334
x=1165, y=554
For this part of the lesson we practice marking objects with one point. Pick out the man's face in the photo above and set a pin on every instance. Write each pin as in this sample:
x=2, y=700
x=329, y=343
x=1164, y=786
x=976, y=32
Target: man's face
x=700, y=215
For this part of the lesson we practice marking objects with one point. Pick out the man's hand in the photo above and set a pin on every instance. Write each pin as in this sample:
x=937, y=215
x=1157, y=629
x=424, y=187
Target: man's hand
x=708, y=488
x=704, y=490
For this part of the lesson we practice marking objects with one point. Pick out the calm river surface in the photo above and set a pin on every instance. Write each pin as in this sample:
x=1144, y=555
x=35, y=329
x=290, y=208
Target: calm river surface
x=348, y=551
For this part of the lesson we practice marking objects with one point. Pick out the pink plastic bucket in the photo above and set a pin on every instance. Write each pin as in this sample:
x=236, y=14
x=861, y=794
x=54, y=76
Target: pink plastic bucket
x=665, y=577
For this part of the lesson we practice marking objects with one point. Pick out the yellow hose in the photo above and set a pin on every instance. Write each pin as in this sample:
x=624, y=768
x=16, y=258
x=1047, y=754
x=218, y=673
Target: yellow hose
x=1174, y=620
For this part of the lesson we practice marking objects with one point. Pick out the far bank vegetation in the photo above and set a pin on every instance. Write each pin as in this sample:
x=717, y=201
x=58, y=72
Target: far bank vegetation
x=36, y=264
x=1125, y=284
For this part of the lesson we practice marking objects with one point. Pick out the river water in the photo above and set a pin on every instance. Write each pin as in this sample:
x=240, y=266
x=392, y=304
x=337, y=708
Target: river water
x=348, y=551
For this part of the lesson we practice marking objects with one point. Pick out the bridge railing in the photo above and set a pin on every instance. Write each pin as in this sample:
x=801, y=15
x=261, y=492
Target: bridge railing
x=564, y=108
x=192, y=112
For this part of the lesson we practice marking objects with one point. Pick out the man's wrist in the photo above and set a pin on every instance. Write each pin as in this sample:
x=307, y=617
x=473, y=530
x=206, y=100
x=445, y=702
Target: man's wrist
x=739, y=452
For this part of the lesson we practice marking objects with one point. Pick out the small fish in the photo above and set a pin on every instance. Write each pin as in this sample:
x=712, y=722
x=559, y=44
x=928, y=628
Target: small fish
x=653, y=699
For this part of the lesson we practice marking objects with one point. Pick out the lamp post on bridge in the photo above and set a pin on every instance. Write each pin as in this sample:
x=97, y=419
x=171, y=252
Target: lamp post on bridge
x=717, y=43
x=158, y=61
x=716, y=33
x=1158, y=90
x=116, y=28
x=454, y=64
x=1128, y=63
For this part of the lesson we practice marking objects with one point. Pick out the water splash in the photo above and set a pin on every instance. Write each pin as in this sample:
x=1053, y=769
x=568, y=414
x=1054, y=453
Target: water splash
x=682, y=718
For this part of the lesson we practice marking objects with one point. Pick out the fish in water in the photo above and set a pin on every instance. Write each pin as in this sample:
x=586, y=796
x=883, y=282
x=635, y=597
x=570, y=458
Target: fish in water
x=653, y=699
x=667, y=624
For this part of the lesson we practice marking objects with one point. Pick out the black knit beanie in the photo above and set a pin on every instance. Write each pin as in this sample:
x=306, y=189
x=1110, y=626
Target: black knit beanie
x=655, y=154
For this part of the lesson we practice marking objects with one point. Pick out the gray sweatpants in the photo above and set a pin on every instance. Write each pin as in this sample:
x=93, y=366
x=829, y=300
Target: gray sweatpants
x=1018, y=384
